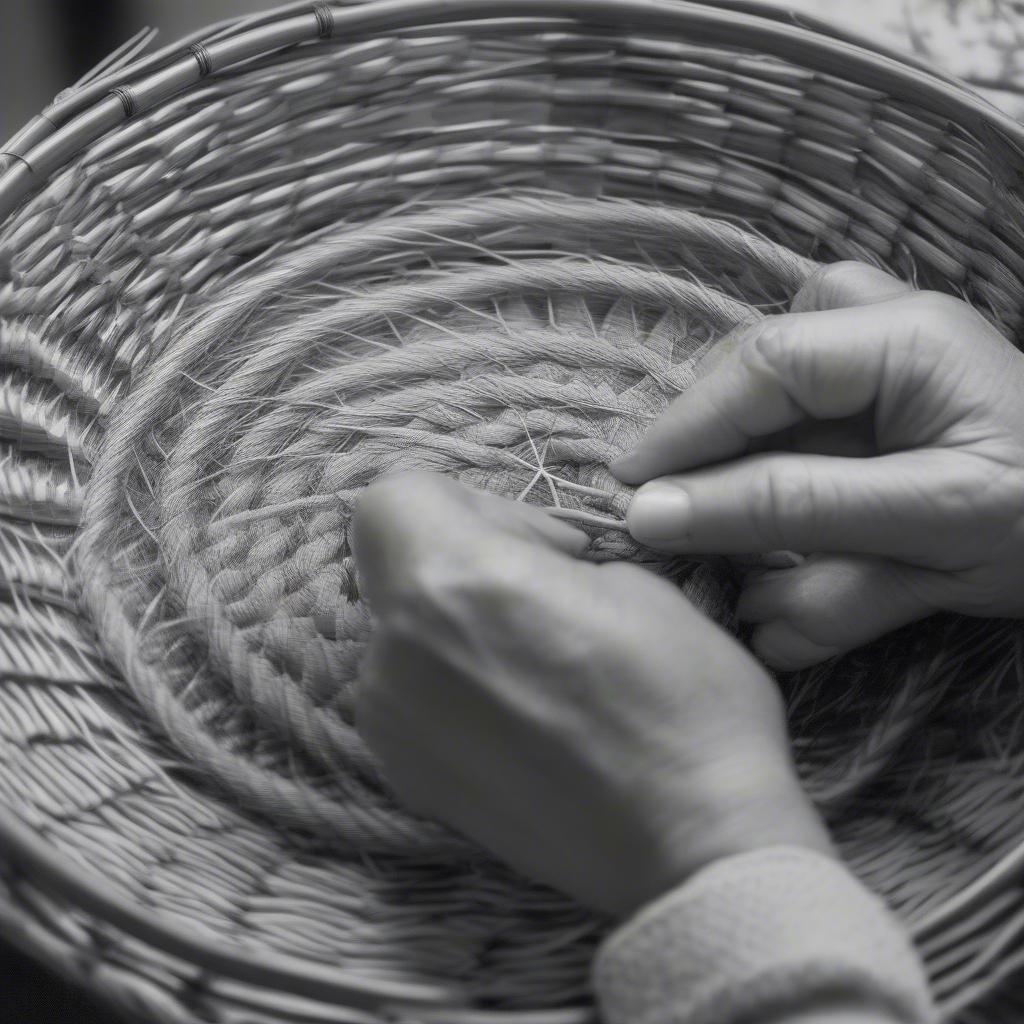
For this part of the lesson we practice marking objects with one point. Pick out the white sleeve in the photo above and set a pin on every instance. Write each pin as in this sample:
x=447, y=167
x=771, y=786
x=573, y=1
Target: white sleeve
x=762, y=937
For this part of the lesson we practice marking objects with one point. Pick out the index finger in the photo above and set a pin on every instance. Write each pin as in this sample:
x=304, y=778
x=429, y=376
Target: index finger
x=832, y=286
x=822, y=364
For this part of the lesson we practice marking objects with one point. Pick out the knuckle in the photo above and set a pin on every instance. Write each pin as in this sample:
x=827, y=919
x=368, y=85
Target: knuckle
x=937, y=319
x=783, y=493
x=990, y=497
x=767, y=342
x=961, y=497
x=825, y=288
x=957, y=501
x=938, y=304
x=779, y=350
x=769, y=351
x=439, y=585
x=505, y=577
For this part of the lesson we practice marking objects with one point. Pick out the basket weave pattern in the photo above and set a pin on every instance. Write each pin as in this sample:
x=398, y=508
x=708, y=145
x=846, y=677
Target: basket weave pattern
x=241, y=280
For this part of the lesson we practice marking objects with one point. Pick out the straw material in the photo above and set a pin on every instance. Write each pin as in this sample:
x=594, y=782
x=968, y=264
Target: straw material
x=244, y=276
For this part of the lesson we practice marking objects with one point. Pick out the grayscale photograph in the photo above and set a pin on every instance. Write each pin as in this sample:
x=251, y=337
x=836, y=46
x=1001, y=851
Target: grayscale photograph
x=512, y=512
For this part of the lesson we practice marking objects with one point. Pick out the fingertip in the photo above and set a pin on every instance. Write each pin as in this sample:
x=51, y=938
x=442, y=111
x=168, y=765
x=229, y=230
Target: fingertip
x=628, y=468
x=660, y=513
x=529, y=523
x=570, y=539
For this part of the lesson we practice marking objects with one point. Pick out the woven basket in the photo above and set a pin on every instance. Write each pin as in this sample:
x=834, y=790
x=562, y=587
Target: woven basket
x=244, y=275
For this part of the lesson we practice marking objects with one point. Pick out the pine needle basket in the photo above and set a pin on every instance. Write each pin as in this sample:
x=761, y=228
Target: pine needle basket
x=242, y=276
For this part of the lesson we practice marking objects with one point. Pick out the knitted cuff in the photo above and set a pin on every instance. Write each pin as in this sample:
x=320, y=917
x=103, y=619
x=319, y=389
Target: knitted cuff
x=758, y=933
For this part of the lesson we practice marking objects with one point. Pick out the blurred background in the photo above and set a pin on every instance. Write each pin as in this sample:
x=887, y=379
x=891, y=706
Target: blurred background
x=46, y=45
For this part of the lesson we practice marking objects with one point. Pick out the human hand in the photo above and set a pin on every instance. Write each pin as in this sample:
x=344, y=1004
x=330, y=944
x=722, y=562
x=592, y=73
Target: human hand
x=584, y=722
x=878, y=430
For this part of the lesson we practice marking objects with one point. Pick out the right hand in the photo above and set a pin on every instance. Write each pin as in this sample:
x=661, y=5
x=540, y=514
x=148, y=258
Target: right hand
x=582, y=721
x=876, y=429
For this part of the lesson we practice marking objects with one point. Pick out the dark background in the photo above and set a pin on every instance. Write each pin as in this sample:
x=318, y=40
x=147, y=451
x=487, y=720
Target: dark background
x=47, y=45
x=30, y=995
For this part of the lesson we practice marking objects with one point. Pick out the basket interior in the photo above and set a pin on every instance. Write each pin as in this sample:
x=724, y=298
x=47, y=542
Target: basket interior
x=488, y=248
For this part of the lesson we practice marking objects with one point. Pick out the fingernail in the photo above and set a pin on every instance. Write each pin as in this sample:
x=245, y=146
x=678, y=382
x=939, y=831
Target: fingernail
x=659, y=512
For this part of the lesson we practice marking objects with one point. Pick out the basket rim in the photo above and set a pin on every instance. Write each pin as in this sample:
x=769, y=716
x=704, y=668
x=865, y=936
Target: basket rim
x=127, y=83
x=27, y=854
x=80, y=116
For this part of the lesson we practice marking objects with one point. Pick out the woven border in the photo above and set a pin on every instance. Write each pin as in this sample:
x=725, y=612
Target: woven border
x=104, y=102
x=65, y=128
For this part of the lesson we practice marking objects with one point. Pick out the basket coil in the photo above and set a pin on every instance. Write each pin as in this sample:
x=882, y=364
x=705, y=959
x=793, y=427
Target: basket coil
x=244, y=276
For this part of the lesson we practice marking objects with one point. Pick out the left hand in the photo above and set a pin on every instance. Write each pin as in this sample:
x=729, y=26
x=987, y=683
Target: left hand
x=878, y=431
x=582, y=721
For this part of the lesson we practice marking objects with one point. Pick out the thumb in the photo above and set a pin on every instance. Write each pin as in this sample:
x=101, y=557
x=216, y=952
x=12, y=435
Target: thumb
x=796, y=502
x=832, y=286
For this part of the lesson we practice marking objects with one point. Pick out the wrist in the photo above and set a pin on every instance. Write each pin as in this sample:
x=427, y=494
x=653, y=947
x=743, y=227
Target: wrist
x=775, y=936
x=746, y=804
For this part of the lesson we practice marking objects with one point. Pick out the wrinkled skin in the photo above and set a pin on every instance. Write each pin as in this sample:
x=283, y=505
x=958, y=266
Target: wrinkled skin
x=879, y=431
x=584, y=722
